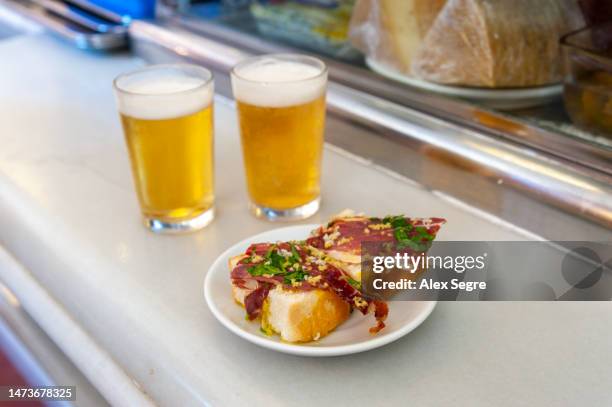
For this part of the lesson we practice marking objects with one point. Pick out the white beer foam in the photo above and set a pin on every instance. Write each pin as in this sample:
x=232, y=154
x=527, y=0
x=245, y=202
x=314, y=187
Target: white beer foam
x=270, y=82
x=163, y=93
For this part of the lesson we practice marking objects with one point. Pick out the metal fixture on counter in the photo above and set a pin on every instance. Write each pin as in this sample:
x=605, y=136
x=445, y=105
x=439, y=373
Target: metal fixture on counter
x=82, y=23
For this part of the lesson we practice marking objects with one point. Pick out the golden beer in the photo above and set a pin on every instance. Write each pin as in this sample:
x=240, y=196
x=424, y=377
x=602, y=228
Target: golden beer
x=167, y=118
x=281, y=110
x=282, y=152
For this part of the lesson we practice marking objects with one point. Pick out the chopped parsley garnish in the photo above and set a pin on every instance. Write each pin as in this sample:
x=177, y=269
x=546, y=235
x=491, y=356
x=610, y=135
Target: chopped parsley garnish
x=295, y=256
x=267, y=332
x=356, y=284
x=276, y=260
x=295, y=276
x=423, y=233
x=398, y=222
x=276, y=263
x=264, y=269
x=416, y=238
x=415, y=246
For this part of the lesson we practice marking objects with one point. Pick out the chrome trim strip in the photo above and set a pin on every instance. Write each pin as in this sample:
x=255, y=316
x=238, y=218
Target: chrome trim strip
x=80, y=36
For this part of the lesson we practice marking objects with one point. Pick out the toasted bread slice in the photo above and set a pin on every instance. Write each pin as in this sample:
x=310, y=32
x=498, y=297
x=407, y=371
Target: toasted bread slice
x=299, y=316
x=303, y=316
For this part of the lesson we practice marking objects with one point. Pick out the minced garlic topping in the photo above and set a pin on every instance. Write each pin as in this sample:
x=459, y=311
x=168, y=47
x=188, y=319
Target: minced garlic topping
x=285, y=253
x=313, y=280
x=329, y=238
x=379, y=226
x=360, y=302
x=344, y=240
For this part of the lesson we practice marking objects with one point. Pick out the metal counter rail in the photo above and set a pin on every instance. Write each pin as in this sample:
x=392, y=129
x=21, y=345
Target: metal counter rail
x=92, y=33
x=509, y=180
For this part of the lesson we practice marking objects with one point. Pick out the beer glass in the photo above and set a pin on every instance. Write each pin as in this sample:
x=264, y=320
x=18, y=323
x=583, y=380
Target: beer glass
x=281, y=110
x=167, y=117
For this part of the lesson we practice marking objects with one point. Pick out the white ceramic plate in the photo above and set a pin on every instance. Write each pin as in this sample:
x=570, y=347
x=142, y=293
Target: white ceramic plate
x=350, y=337
x=505, y=99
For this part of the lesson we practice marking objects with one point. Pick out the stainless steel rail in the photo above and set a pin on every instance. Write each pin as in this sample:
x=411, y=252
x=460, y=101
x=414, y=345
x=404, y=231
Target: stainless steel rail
x=544, y=178
x=12, y=23
x=61, y=20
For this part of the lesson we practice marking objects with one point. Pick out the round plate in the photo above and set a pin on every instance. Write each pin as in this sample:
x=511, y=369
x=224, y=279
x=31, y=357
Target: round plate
x=505, y=99
x=350, y=337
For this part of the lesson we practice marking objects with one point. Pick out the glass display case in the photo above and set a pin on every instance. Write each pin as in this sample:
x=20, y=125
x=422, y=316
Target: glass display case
x=531, y=115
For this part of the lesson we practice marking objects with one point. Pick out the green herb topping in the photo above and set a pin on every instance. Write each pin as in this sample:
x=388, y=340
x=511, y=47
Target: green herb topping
x=356, y=284
x=277, y=263
x=416, y=238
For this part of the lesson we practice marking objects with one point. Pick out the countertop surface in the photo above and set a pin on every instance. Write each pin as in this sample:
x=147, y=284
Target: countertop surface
x=69, y=215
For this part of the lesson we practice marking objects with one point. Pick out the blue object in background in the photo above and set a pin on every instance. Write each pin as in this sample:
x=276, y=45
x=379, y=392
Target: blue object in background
x=207, y=10
x=133, y=8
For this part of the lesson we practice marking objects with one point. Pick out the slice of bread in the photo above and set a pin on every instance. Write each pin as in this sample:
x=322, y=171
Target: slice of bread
x=297, y=316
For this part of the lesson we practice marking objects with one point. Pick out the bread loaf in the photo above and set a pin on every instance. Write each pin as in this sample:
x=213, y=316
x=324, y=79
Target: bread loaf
x=391, y=31
x=496, y=43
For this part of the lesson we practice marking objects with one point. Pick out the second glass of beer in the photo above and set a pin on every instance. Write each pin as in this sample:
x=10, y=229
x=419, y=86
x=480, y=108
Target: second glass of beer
x=281, y=110
x=166, y=112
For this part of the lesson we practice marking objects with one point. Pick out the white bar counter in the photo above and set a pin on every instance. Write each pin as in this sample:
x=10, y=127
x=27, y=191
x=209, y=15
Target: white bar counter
x=69, y=217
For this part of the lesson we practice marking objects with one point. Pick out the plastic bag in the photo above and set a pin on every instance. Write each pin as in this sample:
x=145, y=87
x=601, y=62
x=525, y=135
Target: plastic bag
x=390, y=31
x=481, y=43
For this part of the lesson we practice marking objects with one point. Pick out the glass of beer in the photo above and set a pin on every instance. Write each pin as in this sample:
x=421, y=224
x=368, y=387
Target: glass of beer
x=281, y=110
x=167, y=117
